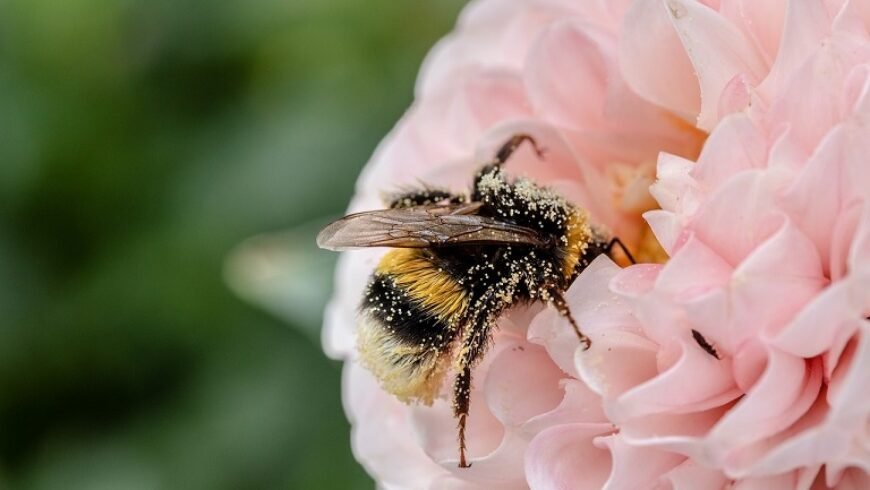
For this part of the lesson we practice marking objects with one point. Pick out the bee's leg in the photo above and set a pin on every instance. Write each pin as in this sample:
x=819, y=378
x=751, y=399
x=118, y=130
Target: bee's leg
x=461, y=404
x=475, y=339
x=422, y=197
x=511, y=145
x=558, y=301
x=617, y=241
x=502, y=155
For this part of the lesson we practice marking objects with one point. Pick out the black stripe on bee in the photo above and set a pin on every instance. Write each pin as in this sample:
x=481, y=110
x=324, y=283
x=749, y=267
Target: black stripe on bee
x=406, y=318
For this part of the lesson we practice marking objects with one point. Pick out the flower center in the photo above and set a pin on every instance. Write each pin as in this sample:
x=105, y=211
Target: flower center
x=630, y=184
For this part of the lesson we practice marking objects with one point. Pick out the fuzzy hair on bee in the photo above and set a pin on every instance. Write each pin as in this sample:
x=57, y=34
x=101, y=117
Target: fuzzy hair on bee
x=458, y=263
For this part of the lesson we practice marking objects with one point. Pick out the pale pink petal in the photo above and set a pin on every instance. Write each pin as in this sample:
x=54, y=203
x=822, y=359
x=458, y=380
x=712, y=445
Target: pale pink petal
x=479, y=100
x=806, y=444
x=849, y=400
x=837, y=307
x=680, y=433
x=782, y=395
x=859, y=253
x=852, y=479
x=660, y=319
x=694, y=270
x=636, y=280
x=843, y=234
x=786, y=152
x=446, y=482
x=654, y=62
x=593, y=304
x=737, y=96
x=786, y=481
x=749, y=361
x=490, y=34
x=806, y=24
x=856, y=92
x=667, y=229
x=817, y=83
x=812, y=210
x=677, y=390
x=650, y=129
x=580, y=405
x=736, y=145
x=787, y=266
x=674, y=185
x=502, y=468
x=634, y=467
x=435, y=430
x=761, y=21
x=764, y=292
x=567, y=74
x=707, y=36
x=522, y=383
x=382, y=444
x=565, y=457
x=498, y=407
x=615, y=362
x=689, y=475
x=738, y=217
x=853, y=17
x=662, y=322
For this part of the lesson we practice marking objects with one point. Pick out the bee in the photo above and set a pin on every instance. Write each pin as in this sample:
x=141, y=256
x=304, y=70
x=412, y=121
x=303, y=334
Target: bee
x=459, y=261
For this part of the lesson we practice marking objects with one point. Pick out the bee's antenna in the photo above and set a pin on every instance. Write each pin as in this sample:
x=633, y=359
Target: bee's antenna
x=617, y=241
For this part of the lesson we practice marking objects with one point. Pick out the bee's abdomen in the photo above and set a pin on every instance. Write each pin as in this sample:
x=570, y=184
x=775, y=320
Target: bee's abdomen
x=406, y=317
x=411, y=315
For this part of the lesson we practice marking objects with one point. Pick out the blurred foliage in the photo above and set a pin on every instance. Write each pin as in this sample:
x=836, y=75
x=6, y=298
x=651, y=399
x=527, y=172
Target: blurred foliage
x=140, y=140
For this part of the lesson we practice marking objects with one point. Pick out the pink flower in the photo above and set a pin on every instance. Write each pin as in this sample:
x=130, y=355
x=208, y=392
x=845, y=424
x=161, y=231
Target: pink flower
x=737, y=131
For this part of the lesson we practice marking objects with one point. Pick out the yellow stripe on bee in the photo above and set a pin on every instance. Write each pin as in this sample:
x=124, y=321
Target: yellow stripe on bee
x=433, y=288
x=577, y=238
x=411, y=372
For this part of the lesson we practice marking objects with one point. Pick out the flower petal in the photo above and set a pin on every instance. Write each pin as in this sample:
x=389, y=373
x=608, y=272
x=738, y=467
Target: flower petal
x=592, y=303
x=381, y=443
x=634, y=467
x=782, y=395
x=654, y=62
x=689, y=475
x=565, y=457
x=806, y=24
x=707, y=36
x=736, y=145
x=696, y=382
x=615, y=362
x=520, y=383
x=568, y=74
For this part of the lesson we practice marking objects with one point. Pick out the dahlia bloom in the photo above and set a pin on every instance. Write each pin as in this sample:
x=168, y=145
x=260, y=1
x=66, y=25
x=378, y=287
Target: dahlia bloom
x=726, y=142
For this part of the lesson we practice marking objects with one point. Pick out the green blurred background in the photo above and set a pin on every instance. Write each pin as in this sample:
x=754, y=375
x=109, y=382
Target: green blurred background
x=141, y=141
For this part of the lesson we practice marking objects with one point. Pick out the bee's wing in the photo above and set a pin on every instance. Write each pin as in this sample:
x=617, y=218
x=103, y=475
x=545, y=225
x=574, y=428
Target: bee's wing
x=423, y=227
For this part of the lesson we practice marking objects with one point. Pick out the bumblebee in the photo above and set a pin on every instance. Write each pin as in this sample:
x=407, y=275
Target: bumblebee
x=458, y=263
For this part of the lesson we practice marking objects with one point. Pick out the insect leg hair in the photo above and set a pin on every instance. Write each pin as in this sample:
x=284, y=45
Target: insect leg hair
x=475, y=338
x=561, y=305
x=461, y=403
